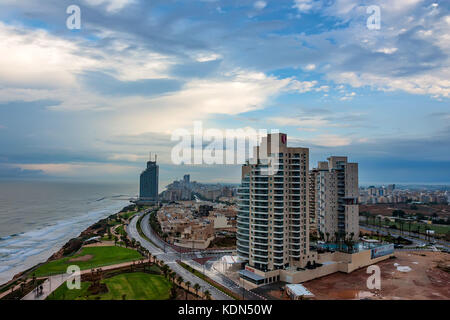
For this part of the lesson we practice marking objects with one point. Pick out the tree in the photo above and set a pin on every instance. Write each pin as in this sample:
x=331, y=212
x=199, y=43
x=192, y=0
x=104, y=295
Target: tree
x=321, y=235
x=207, y=295
x=402, y=222
x=328, y=236
x=398, y=213
x=387, y=221
x=188, y=285
x=350, y=242
x=173, y=293
x=180, y=280
x=165, y=269
x=196, y=288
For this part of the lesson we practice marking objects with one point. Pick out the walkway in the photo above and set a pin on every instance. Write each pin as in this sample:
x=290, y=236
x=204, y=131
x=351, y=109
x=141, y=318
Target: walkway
x=53, y=282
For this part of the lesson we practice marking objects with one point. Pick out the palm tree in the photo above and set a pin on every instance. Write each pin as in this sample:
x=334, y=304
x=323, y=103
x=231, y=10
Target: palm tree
x=350, y=241
x=180, y=280
x=188, y=284
x=401, y=226
x=165, y=269
x=196, y=288
x=207, y=295
x=328, y=236
x=320, y=235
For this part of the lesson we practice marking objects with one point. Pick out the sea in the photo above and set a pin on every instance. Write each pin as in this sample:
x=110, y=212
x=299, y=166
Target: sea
x=38, y=218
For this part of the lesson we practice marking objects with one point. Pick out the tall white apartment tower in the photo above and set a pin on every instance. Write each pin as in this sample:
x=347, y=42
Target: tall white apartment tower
x=273, y=216
x=335, y=187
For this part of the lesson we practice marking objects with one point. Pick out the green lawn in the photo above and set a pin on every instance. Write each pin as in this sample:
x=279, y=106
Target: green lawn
x=63, y=293
x=94, y=257
x=136, y=286
x=121, y=230
x=438, y=228
x=128, y=215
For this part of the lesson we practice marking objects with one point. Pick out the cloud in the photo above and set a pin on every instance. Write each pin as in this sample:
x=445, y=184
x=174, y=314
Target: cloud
x=28, y=56
x=348, y=96
x=206, y=57
x=330, y=140
x=259, y=5
x=8, y=171
x=112, y=6
x=128, y=157
x=435, y=85
x=77, y=169
x=305, y=121
x=238, y=92
x=305, y=6
x=117, y=88
x=302, y=86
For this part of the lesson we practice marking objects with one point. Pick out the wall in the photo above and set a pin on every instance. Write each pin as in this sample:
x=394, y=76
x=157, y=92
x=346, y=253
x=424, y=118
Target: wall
x=194, y=244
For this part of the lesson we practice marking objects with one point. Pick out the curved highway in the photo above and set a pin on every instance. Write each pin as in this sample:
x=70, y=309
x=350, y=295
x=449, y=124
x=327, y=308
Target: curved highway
x=170, y=256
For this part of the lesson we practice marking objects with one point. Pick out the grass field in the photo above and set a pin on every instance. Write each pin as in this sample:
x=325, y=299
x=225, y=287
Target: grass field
x=121, y=230
x=136, y=286
x=438, y=228
x=90, y=257
x=128, y=215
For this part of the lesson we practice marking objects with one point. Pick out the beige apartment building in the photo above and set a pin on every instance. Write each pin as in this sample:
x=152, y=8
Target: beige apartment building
x=334, y=199
x=273, y=220
x=274, y=216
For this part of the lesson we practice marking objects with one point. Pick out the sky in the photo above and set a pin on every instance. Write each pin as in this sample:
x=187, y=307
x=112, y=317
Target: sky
x=89, y=104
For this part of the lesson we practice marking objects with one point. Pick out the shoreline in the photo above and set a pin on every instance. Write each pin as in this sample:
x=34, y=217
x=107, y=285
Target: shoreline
x=69, y=247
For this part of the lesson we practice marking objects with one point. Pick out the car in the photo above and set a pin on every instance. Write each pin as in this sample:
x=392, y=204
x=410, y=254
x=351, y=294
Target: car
x=398, y=246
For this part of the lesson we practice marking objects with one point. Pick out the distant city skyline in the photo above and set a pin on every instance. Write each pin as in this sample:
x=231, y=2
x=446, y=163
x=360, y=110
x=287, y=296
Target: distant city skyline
x=88, y=104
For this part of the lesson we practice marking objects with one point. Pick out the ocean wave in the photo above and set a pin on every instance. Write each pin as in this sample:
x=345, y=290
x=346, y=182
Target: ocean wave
x=17, y=251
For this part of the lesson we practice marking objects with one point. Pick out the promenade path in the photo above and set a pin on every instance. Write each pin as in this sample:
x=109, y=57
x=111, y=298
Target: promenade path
x=53, y=282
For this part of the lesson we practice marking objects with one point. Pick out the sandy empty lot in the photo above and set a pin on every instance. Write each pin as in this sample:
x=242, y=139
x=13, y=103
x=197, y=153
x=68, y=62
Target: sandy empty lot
x=424, y=281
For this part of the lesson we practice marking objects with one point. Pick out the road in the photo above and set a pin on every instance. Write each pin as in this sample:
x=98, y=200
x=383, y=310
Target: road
x=417, y=241
x=170, y=256
x=188, y=256
x=208, y=270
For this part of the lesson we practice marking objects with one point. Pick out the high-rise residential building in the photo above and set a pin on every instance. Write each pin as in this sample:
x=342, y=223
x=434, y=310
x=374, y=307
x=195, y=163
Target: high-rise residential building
x=273, y=219
x=335, y=192
x=148, y=190
x=313, y=196
x=187, y=179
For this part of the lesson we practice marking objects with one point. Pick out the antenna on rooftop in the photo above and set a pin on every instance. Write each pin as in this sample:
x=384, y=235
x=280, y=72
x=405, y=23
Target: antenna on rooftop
x=150, y=156
x=156, y=156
